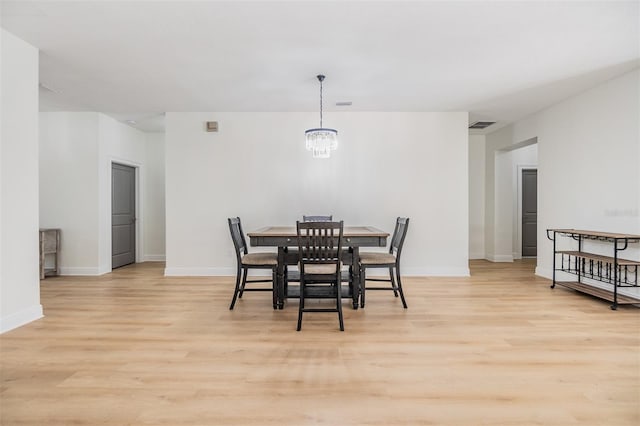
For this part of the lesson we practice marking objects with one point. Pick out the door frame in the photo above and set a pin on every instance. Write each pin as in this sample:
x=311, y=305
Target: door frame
x=517, y=254
x=138, y=206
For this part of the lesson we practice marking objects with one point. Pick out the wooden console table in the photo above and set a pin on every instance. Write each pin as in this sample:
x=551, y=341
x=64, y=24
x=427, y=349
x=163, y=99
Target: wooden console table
x=612, y=270
x=49, y=246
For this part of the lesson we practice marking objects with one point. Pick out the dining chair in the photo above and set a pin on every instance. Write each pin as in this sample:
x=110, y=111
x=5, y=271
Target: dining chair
x=389, y=260
x=320, y=251
x=317, y=218
x=294, y=275
x=246, y=261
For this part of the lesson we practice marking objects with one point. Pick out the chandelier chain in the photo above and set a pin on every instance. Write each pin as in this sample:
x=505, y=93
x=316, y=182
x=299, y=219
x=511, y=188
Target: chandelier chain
x=320, y=103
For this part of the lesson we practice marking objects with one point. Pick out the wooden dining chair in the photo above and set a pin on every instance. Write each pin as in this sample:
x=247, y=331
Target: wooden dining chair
x=317, y=218
x=246, y=261
x=390, y=260
x=320, y=251
x=294, y=275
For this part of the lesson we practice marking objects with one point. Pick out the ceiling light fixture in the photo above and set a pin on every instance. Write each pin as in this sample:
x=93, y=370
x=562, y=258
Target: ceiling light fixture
x=321, y=141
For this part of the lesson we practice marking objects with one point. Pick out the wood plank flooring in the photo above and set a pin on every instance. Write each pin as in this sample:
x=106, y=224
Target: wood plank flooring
x=497, y=348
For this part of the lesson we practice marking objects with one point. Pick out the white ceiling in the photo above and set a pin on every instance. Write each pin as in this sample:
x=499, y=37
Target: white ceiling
x=499, y=60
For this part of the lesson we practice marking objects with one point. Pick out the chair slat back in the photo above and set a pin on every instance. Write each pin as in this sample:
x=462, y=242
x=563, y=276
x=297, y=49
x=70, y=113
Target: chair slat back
x=399, y=233
x=317, y=218
x=320, y=242
x=237, y=235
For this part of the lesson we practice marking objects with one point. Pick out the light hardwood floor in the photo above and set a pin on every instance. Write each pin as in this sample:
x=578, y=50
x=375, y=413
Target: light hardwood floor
x=498, y=348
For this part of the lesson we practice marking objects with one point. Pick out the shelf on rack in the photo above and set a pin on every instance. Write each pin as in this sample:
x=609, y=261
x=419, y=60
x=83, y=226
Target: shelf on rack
x=595, y=235
x=599, y=258
x=599, y=292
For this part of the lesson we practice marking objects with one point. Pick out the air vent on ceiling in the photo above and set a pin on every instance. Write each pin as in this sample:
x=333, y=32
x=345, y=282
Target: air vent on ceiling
x=481, y=124
x=343, y=103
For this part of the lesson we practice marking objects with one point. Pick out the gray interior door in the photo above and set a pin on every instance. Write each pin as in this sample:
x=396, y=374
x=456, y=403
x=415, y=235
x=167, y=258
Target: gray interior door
x=123, y=215
x=529, y=212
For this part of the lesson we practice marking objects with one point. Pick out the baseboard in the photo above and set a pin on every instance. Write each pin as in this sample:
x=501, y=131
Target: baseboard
x=499, y=258
x=80, y=270
x=476, y=256
x=21, y=318
x=154, y=258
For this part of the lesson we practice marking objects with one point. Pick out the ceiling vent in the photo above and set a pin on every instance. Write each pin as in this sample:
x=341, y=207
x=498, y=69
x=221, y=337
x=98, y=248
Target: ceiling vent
x=481, y=124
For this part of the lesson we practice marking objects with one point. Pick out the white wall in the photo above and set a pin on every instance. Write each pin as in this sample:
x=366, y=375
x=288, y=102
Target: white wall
x=495, y=175
x=476, y=196
x=77, y=151
x=503, y=202
x=256, y=167
x=590, y=143
x=154, y=206
x=69, y=187
x=19, y=258
x=588, y=168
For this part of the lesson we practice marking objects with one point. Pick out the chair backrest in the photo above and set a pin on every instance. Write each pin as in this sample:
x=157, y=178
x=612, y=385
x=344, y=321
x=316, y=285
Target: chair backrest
x=397, y=241
x=240, y=244
x=320, y=243
x=319, y=218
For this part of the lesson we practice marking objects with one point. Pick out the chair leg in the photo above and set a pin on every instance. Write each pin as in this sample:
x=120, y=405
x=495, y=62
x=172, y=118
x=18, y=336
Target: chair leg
x=300, y=306
x=274, y=289
x=237, y=289
x=404, y=303
x=244, y=282
x=393, y=282
x=339, y=305
x=363, y=280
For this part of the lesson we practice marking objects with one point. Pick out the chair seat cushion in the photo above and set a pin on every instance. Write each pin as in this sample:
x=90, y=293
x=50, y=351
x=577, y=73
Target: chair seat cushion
x=372, y=258
x=319, y=269
x=270, y=259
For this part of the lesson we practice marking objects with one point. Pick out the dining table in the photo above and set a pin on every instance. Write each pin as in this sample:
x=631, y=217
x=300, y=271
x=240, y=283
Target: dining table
x=285, y=238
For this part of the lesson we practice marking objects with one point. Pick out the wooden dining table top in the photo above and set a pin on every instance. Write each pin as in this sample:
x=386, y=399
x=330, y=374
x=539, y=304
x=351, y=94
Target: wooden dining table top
x=287, y=236
x=290, y=231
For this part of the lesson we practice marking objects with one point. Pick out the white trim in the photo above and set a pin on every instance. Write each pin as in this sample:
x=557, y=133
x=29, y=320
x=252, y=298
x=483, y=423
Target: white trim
x=80, y=270
x=154, y=258
x=21, y=318
x=499, y=258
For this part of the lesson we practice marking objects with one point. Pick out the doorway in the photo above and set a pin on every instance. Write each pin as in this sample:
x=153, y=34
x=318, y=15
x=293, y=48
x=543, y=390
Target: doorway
x=529, y=212
x=123, y=215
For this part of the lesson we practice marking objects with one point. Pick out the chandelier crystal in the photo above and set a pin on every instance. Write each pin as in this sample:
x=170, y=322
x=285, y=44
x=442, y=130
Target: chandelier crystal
x=321, y=141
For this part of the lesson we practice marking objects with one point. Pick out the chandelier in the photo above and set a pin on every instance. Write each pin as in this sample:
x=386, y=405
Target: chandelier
x=321, y=141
